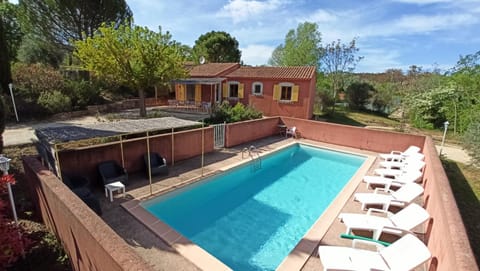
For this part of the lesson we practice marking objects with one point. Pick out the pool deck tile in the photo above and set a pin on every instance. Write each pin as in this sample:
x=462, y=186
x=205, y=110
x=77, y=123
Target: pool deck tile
x=304, y=257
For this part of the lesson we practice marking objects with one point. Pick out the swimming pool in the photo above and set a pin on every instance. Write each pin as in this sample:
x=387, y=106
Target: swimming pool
x=251, y=218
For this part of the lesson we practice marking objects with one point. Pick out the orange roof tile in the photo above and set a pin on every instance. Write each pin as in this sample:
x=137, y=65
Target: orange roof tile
x=294, y=72
x=212, y=69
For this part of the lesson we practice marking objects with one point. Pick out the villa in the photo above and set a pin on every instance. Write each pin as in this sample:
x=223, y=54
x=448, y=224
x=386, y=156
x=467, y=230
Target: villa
x=275, y=91
x=128, y=237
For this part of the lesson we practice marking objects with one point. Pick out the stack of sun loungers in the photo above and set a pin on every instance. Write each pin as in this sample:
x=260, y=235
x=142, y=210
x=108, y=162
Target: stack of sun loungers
x=397, y=170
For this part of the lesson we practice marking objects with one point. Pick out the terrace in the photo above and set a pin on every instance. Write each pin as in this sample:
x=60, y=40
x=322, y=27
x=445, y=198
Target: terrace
x=119, y=241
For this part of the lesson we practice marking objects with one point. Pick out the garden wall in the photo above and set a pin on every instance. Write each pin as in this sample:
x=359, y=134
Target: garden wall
x=246, y=131
x=446, y=235
x=89, y=242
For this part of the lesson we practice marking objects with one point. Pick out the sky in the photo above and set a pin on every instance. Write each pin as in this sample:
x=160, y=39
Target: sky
x=397, y=34
x=432, y=34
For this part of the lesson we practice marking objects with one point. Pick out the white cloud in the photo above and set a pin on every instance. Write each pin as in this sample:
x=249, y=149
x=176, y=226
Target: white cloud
x=321, y=16
x=256, y=54
x=423, y=23
x=378, y=60
x=423, y=2
x=244, y=10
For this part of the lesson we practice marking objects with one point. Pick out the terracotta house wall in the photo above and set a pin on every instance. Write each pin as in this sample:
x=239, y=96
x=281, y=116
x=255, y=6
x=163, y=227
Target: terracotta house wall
x=446, y=235
x=302, y=109
x=187, y=144
x=246, y=131
x=88, y=241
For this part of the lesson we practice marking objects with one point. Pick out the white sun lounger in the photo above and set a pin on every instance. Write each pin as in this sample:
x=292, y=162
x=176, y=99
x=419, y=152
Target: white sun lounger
x=414, y=158
x=398, y=181
x=399, y=224
x=400, y=198
x=411, y=166
x=406, y=253
x=399, y=155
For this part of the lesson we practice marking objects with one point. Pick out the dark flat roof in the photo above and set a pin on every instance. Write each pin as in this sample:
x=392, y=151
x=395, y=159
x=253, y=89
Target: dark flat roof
x=69, y=133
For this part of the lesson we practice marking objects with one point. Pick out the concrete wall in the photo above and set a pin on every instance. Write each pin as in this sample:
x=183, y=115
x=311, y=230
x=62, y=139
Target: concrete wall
x=186, y=144
x=246, y=131
x=89, y=242
x=446, y=235
x=355, y=137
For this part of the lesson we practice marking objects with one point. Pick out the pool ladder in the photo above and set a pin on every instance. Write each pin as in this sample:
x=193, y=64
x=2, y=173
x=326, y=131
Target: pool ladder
x=254, y=154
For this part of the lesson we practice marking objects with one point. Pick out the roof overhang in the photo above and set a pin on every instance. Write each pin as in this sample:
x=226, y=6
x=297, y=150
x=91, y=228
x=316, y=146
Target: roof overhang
x=201, y=81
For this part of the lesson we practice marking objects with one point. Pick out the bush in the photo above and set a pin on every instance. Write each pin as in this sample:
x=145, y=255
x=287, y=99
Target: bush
x=32, y=80
x=226, y=113
x=472, y=140
x=55, y=102
x=82, y=93
x=358, y=94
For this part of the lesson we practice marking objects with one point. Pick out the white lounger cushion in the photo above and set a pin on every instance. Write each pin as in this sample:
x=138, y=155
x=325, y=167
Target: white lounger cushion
x=406, y=253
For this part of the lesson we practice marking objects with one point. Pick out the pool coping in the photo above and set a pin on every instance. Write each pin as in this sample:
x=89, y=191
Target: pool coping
x=296, y=258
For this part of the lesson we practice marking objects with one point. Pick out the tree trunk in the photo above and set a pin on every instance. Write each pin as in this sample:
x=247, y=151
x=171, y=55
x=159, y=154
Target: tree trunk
x=143, y=109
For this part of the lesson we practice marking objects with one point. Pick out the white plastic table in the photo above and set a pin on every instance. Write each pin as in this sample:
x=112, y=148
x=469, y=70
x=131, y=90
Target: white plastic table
x=112, y=187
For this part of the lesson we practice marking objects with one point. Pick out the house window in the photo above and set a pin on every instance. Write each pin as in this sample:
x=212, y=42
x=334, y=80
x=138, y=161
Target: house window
x=286, y=93
x=257, y=88
x=233, y=90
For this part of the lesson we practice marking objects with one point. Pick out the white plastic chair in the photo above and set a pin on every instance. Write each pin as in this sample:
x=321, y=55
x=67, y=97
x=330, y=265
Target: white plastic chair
x=291, y=131
x=399, y=224
x=411, y=166
x=406, y=253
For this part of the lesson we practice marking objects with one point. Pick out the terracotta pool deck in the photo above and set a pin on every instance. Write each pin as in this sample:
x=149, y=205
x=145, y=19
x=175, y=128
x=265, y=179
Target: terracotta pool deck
x=163, y=256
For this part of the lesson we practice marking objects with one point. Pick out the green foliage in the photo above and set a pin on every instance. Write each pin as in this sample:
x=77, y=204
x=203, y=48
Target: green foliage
x=132, y=56
x=11, y=27
x=217, y=47
x=358, y=94
x=302, y=47
x=82, y=93
x=428, y=109
x=61, y=22
x=34, y=50
x=337, y=61
x=472, y=139
x=226, y=113
x=55, y=101
x=32, y=80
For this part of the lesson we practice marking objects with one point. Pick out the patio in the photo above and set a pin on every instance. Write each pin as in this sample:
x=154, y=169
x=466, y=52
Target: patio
x=163, y=257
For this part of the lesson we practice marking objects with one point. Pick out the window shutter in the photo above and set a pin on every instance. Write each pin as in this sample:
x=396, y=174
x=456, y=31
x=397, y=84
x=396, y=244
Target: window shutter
x=295, y=90
x=240, y=91
x=225, y=90
x=198, y=93
x=180, y=93
x=276, y=92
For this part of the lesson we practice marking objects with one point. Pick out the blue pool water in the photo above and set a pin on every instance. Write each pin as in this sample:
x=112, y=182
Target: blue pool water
x=251, y=219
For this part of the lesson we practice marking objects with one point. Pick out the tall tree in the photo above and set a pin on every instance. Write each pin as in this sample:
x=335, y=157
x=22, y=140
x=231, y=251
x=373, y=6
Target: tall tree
x=339, y=59
x=61, y=21
x=10, y=38
x=217, y=46
x=133, y=56
x=302, y=47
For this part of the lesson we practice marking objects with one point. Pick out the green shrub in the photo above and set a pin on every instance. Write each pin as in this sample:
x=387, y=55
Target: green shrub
x=55, y=102
x=32, y=80
x=472, y=140
x=226, y=113
x=82, y=93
